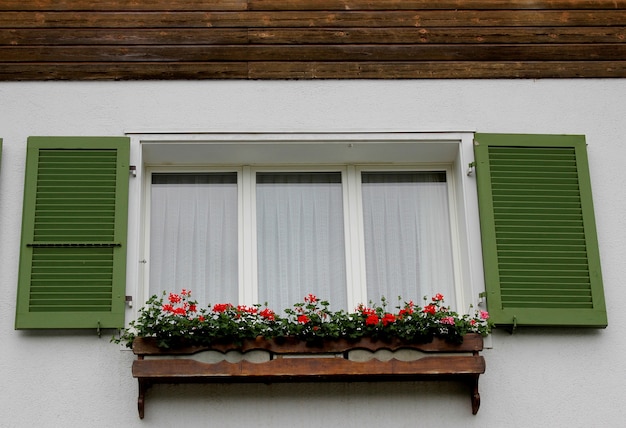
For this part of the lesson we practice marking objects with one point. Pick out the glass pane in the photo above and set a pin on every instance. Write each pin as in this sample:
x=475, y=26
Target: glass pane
x=407, y=235
x=193, y=235
x=300, y=238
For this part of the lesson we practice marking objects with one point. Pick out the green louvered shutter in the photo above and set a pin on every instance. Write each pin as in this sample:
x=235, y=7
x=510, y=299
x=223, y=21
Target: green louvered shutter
x=73, y=251
x=540, y=250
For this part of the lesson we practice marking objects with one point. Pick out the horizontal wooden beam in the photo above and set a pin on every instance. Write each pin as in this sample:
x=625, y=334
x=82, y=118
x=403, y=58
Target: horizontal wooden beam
x=342, y=53
x=305, y=36
x=312, y=70
x=202, y=5
x=437, y=70
x=310, y=19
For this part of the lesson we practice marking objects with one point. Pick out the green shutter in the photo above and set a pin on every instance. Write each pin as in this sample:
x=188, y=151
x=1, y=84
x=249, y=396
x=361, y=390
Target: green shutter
x=540, y=250
x=73, y=251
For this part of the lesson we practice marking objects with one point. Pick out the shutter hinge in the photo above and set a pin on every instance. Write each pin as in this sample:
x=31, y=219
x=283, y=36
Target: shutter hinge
x=129, y=301
x=470, y=167
x=133, y=170
x=98, y=330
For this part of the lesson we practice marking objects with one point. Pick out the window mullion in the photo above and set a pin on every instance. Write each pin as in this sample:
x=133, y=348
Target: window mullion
x=355, y=246
x=248, y=288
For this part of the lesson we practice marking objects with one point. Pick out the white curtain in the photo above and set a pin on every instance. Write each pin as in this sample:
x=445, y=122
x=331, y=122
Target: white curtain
x=407, y=235
x=300, y=238
x=193, y=236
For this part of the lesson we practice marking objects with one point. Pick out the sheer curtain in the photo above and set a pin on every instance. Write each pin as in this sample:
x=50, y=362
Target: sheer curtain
x=407, y=235
x=300, y=238
x=193, y=235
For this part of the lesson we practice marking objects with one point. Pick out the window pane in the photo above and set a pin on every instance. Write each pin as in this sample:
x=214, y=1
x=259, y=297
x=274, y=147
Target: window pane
x=407, y=235
x=300, y=238
x=193, y=235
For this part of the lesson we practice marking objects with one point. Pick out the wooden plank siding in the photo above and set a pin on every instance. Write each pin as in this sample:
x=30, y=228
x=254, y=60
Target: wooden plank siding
x=311, y=39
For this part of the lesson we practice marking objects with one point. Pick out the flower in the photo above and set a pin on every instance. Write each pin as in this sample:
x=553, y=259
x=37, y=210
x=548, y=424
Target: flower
x=371, y=319
x=437, y=297
x=268, y=314
x=222, y=307
x=388, y=319
x=447, y=320
x=174, y=319
x=430, y=309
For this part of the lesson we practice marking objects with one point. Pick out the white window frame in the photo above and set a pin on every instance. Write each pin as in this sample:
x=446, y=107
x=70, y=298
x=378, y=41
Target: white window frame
x=163, y=152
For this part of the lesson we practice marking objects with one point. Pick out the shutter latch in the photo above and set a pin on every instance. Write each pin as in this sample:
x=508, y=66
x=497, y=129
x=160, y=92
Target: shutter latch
x=129, y=301
x=133, y=170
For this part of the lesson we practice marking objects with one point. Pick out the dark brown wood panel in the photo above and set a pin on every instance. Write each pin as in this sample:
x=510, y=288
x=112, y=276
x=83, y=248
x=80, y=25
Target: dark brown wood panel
x=436, y=70
x=310, y=39
x=167, y=5
x=308, y=19
x=342, y=53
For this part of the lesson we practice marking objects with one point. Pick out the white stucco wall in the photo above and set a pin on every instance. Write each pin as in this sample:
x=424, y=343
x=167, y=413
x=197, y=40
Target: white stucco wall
x=538, y=378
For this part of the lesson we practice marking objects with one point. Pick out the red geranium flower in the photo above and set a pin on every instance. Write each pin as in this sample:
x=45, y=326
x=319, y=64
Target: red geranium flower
x=221, y=307
x=174, y=298
x=303, y=319
x=371, y=319
x=268, y=314
x=430, y=309
x=388, y=319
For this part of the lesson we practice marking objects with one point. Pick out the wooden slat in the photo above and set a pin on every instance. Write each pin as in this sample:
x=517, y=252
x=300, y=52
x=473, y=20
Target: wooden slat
x=165, y=5
x=433, y=5
x=221, y=36
x=436, y=70
x=117, y=36
x=130, y=5
x=439, y=35
x=311, y=70
x=303, y=368
x=215, y=53
x=122, y=71
x=308, y=19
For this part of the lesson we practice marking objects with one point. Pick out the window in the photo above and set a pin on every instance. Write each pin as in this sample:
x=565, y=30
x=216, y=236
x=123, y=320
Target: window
x=304, y=231
x=347, y=219
x=350, y=217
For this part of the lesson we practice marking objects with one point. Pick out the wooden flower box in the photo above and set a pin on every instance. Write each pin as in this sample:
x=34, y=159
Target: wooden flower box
x=291, y=360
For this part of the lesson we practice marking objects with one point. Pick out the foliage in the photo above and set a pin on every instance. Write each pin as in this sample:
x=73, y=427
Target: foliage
x=175, y=320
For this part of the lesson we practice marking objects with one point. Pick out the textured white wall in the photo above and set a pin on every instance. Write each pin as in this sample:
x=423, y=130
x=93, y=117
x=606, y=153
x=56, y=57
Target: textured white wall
x=539, y=378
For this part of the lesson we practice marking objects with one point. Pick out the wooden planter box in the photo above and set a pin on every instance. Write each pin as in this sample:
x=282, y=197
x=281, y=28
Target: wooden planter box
x=291, y=360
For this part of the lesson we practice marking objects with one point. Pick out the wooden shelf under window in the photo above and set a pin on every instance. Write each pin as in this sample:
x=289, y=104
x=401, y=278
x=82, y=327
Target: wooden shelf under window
x=290, y=360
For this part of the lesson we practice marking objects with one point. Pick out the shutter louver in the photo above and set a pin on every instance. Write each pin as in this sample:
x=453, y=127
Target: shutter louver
x=73, y=250
x=539, y=241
